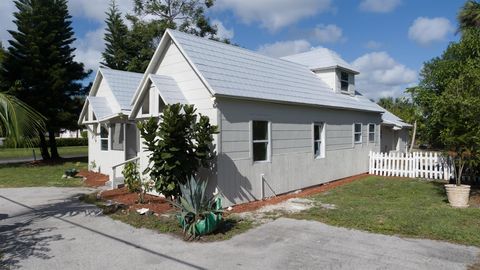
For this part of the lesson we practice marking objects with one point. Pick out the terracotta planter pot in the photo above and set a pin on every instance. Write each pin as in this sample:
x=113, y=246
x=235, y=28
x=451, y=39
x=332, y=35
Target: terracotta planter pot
x=458, y=195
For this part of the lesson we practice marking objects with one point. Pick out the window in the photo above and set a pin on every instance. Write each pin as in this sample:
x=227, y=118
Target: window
x=357, y=133
x=117, y=137
x=344, y=81
x=146, y=103
x=260, y=139
x=371, y=133
x=103, y=138
x=318, y=140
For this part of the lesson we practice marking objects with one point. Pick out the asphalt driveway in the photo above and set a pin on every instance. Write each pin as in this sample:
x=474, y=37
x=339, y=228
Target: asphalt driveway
x=48, y=228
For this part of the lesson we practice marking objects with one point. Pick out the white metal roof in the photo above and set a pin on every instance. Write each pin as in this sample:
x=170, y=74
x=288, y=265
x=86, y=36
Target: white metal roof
x=229, y=70
x=320, y=58
x=100, y=107
x=122, y=84
x=168, y=89
x=390, y=118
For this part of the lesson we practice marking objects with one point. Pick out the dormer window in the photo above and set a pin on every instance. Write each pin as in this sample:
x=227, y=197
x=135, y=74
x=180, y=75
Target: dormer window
x=344, y=81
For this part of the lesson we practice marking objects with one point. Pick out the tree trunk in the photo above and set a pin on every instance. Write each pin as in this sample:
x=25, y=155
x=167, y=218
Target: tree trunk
x=43, y=147
x=53, y=145
x=413, y=135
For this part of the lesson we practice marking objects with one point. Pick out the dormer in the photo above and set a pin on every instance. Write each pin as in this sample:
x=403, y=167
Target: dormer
x=330, y=67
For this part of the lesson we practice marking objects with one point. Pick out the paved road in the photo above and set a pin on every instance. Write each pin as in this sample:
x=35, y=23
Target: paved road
x=48, y=228
x=28, y=159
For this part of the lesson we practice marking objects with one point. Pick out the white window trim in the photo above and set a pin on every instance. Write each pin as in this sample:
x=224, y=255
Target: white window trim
x=361, y=133
x=107, y=138
x=322, y=140
x=268, y=141
x=374, y=133
x=150, y=108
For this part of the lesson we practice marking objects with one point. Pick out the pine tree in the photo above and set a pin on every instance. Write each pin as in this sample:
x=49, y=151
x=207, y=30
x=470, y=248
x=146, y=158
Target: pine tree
x=116, y=48
x=40, y=64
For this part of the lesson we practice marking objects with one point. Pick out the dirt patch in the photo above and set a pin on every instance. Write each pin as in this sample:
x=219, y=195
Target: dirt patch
x=252, y=206
x=93, y=179
x=270, y=212
x=156, y=204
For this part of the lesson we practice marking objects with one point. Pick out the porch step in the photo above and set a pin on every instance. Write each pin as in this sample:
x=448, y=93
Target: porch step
x=116, y=182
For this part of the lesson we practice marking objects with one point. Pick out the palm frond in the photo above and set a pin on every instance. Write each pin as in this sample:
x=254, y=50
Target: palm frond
x=18, y=121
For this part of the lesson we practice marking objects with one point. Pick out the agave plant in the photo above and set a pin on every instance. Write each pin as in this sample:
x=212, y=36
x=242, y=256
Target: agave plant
x=198, y=213
x=18, y=121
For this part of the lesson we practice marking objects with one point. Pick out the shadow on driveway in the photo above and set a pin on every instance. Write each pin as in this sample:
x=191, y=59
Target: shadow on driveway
x=20, y=241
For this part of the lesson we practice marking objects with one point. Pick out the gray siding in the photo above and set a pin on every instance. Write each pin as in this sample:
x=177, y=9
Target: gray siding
x=292, y=165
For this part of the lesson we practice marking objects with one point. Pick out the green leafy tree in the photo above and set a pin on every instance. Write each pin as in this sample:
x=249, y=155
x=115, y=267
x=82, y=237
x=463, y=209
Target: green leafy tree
x=184, y=15
x=39, y=67
x=449, y=98
x=469, y=15
x=116, y=53
x=180, y=143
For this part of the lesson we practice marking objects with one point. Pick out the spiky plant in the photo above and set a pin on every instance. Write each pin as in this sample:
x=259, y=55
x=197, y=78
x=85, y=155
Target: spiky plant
x=194, y=206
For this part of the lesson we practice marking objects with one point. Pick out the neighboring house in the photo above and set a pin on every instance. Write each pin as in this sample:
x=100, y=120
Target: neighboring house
x=112, y=138
x=285, y=124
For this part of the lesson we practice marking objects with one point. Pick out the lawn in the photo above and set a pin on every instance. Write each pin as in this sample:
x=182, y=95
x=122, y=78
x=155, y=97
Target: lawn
x=405, y=207
x=12, y=153
x=27, y=175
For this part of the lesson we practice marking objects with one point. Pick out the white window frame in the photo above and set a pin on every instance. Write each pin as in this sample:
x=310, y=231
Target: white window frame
x=355, y=133
x=370, y=132
x=347, y=81
x=104, y=139
x=321, y=140
x=268, y=141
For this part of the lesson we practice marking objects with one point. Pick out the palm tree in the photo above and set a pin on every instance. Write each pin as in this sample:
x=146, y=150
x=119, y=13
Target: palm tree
x=18, y=121
x=469, y=15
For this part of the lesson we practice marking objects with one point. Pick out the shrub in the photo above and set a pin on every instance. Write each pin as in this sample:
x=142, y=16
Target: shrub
x=132, y=177
x=179, y=144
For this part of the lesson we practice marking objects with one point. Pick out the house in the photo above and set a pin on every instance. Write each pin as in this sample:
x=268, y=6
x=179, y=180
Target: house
x=285, y=124
x=394, y=134
x=112, y=137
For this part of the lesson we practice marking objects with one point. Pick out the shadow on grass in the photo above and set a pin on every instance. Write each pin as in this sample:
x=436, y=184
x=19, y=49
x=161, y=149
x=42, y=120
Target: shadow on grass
x=20, y=241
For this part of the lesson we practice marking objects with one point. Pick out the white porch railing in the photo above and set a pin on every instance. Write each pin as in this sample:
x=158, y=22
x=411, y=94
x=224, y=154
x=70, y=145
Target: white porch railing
x=414, y=165
x=114, y=169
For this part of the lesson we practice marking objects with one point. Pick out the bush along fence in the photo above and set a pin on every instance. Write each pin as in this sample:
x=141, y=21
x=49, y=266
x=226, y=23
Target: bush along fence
x=429, y=165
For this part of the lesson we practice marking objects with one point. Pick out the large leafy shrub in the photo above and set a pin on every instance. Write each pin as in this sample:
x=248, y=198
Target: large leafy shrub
x=180, y=143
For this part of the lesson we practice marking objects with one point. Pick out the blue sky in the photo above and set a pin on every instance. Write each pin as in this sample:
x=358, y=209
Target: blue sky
x=387, y=40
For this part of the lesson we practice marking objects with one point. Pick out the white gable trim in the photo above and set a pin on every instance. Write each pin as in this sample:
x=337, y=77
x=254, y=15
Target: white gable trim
x=167, y=40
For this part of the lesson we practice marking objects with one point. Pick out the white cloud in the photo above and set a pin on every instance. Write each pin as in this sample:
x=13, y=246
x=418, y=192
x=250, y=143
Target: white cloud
x=273, y=14
x=379, y=6
x=89, y=48
x=328, y=33
x=380, y=75
x=222, y=31
x=284, y=48
x=373, y=45
x=427, y=30
x=95, y=9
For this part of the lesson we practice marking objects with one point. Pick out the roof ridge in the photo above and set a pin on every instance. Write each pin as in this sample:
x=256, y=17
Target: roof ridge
x=119, y=71
x=174, y=31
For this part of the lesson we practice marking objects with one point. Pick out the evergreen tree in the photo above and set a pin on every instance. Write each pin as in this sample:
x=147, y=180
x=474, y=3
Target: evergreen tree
x=184, y=15
x=40, y=69
x=116, y=48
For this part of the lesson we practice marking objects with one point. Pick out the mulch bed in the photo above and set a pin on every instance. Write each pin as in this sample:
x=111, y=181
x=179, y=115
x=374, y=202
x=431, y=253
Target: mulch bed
x=93, y=179
x=156, y=204
x=255, y=205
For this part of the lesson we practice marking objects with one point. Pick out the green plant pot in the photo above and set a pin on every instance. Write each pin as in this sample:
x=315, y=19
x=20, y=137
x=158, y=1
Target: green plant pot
x=205, y=226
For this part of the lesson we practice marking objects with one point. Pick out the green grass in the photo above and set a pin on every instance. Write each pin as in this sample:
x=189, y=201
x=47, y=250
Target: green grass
x=11, y=153
x=405, y=207
x=230, y=227
x=26, y=175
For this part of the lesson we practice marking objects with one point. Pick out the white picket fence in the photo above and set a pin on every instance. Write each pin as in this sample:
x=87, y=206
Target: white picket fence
x=414, y=165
